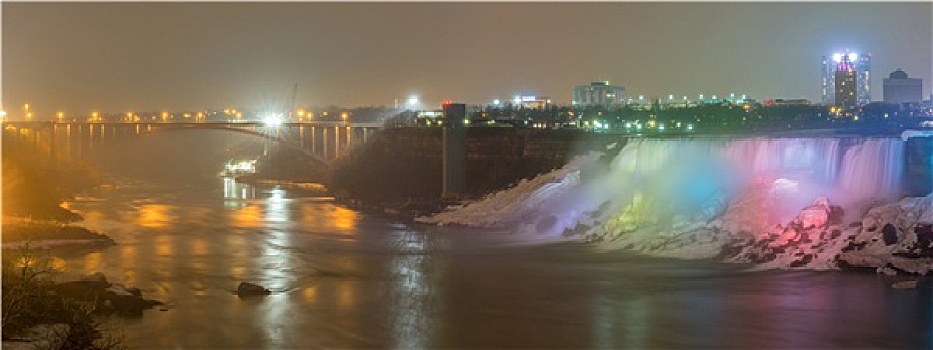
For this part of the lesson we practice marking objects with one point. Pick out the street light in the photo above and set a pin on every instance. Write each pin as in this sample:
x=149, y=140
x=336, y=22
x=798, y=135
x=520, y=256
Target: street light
x=272, y=120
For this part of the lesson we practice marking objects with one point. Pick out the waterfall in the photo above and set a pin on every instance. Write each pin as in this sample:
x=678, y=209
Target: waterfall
x=654, y=180
x=754, y=181
x=873, y=168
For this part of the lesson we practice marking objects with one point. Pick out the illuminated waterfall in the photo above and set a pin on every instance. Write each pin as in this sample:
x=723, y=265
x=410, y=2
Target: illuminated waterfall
x=666, y=181
x=683, y=183
x=684, y=177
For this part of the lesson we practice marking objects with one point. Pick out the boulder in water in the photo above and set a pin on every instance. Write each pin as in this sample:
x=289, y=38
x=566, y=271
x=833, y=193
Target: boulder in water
x=905, y=285
x=246, y=289
x=109, y=298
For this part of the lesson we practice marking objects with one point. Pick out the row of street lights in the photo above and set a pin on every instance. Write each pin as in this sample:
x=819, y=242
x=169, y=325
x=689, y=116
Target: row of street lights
x=199, y=116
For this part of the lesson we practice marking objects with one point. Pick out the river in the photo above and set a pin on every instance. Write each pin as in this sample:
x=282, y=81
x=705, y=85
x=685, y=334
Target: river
x=345, y=279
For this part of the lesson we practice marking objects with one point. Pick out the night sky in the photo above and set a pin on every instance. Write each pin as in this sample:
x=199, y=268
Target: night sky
x=115, y=57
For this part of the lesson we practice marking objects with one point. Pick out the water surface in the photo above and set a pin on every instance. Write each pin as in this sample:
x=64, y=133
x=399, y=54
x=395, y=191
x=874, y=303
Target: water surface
x=345, y=279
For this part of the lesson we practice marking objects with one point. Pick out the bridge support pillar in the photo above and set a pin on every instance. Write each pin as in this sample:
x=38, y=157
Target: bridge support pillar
x=454, y=163
x=324, y=138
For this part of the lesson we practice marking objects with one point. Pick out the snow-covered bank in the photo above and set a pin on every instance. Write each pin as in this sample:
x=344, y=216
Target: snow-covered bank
x=27, y=233
x=779, y=203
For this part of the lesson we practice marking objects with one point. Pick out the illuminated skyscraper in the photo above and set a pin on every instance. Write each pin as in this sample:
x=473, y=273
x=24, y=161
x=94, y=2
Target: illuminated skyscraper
x=845, y=84
x=861, y=67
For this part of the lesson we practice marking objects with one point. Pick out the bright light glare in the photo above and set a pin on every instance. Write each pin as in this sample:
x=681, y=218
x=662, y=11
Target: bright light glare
x=413, y=100
x=837, y=57
x=853, y=57
x=272, y=120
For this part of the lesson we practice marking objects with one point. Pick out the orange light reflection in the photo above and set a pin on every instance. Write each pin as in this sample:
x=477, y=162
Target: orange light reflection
x=92, y=263
x=344, y=219
x=154, y=215
x=250, y=216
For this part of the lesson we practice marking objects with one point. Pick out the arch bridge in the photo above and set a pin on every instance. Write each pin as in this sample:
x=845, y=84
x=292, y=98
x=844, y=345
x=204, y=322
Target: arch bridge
x=322, y=141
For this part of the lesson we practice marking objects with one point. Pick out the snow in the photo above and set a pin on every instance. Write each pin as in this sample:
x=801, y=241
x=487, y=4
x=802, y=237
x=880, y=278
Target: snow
x=776, y=203
x=510, y=206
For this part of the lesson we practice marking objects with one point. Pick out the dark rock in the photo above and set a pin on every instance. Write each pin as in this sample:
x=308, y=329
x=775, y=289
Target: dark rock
x=729, y=251
x=835, y=215
x=889, y=233
x=803, y=261
x=905, y=285
x=854, y=246
x=107, y=300
x=908, y=255
x=97, y=276
x=766, y=258
x=805, y=238
x=246, y=289
x=835, y=234
x=924, y=236
x=131, y=305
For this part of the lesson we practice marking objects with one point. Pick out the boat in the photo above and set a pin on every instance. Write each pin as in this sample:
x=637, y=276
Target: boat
x=238, y=168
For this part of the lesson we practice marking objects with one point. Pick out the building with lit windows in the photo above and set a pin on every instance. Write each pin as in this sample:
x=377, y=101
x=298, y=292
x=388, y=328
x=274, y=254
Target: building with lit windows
x=861, y=68
x=598, y=93
x=898, y=88
x=846, y=84
x=531, y=101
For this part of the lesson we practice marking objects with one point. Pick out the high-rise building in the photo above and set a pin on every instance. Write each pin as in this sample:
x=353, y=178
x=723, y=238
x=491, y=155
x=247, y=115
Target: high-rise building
x=845, y=84
x=861, y=66
x=898, y=88
x=598, y=93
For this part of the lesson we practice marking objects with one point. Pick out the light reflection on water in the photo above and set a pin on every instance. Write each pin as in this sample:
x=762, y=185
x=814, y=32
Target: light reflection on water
x=342, y=279
x=277, y=206
x=236, y=194
x=412, y=295
x=155, y=215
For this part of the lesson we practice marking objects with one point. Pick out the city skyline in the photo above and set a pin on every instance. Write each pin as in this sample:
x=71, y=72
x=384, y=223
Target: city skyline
x=110, y=57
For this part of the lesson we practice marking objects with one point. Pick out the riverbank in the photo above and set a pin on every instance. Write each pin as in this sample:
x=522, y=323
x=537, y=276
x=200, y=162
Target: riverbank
x=406, y=210
x=20, y=232
x=312, y=188
x=42, y=306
